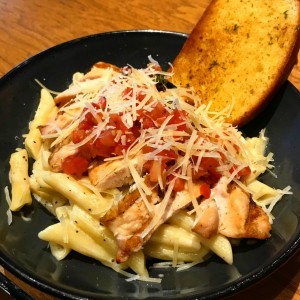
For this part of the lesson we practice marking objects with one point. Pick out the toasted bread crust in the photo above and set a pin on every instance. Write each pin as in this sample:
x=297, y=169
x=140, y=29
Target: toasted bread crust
x=241, y=51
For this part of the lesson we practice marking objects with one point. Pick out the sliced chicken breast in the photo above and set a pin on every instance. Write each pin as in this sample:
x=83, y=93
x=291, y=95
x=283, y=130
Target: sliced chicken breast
x=239, y=216
x=132, y=223
x=115, y=173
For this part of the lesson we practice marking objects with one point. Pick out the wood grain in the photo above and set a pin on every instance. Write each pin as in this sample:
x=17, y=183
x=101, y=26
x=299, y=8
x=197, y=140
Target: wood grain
x=30, y=26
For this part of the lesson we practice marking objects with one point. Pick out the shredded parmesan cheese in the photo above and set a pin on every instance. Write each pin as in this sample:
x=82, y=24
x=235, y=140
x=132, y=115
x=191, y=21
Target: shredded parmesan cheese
x=8, y=200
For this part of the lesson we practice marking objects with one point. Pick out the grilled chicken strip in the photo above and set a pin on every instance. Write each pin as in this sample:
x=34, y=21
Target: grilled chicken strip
x=115, y=173
x=59, y=153
x=238, y=215
x=207, y=220
x=58, y=122
x=132, y=223
x=127, y=219
x=98, y=71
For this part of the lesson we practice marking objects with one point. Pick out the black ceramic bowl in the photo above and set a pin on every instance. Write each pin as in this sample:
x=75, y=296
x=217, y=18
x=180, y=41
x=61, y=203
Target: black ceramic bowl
x=77, y=277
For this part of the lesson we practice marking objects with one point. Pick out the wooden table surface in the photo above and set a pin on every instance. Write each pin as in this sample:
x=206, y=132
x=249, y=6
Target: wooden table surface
x=30, y=26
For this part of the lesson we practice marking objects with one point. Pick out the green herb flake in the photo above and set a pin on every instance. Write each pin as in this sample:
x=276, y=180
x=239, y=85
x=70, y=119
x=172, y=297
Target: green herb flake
x=236, y=27
x=213, y=64
x=271, y=41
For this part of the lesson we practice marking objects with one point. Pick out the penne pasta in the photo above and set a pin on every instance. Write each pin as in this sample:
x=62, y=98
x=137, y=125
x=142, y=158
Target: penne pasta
x=91, y=226
x=262, y=193
x=76, y=193
x=137, y=262
x=20, y=189
x=168, y=235
x=33, y=140
x=60, y=252
x=104, y=237
x=49, y=198
x=164, y=252
x=218, y=244
x=68, y=235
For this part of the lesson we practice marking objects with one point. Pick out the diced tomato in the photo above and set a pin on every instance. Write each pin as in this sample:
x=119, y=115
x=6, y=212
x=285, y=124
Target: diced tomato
x=85, y=125
x=75, y=165
x=116, y=121
x=135, y=131
x=106, y=138
x=207, y=169
x=209, y=163
x=140, y=114
x=140, y=96
x=127, y=92
x=214, y=176
x=237, y=148
x=147, y=149
x=156, y=117
x=147, y=165
x=159, y=121
x=96, y=105
x=199, y=173
x=130, y=138
x=157, y=169
x=78, y=135
x=223, y=156
x=179, y=185
x=158, y=112
x=102, y=152
x=179, y=117
x=148, y=123
x=245, y=172
x=205, y=190
x=242, y=173
x=168, y=154
x=98, y=149
x=89, y=118
x=118, y=150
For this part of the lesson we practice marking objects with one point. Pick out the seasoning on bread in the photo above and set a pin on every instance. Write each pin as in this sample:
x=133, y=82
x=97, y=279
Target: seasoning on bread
x=240, y=52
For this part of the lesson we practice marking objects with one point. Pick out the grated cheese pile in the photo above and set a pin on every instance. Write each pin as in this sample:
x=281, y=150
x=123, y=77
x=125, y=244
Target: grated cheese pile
x=183, y=136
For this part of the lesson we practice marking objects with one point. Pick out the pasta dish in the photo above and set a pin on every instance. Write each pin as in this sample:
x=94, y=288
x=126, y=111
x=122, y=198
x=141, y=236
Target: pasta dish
x=134, y=168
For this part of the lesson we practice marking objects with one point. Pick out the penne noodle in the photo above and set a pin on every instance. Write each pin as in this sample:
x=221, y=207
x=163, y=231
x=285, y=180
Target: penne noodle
x=163, y=252
x=58, y=251
x=20, y=188
x=38, y=185
x=168, y=235
x=262, y=193
x=76, y=193
x=48, y=198
x=137, y=262
x=68, y=235
x=104, y=237
x=92, y=227
x=33, y=140
x=219, y=244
